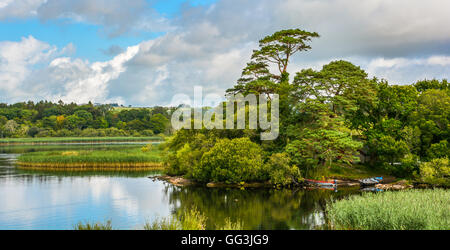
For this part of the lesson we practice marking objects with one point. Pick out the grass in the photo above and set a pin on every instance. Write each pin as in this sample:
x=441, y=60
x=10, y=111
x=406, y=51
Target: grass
x=76, y=140
x=90, y=173
x=191, y=219
x=124, y=160
x=400, y=210
x=94, y=226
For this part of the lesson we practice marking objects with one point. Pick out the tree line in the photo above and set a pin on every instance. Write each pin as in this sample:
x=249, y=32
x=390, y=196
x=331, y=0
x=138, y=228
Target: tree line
x=48, y=119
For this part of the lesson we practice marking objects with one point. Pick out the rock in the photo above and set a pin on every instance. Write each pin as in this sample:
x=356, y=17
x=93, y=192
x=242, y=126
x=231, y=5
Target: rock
x=395, y=186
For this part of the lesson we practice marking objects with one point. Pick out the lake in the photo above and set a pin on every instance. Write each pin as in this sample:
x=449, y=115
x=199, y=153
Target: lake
x=58, y=200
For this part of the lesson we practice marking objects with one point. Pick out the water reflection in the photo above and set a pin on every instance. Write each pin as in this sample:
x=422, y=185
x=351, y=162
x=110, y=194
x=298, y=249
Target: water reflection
x=256, y=208
x=58, y=200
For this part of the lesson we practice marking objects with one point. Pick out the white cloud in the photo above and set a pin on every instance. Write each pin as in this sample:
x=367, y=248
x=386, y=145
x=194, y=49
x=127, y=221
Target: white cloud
x=403, y=41
x=17, y=60
x=408, y=70
x=33, y=70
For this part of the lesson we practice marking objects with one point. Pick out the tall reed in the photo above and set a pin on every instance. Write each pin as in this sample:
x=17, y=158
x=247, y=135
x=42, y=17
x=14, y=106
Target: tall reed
x=94, y=226
x=396, y=210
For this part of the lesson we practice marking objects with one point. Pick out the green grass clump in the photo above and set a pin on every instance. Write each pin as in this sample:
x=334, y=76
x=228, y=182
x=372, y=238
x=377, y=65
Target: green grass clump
x=94, y=226
x=191, y=219
x=229, y=225
x=169, y=223
x=400, y=210
x=92, y=159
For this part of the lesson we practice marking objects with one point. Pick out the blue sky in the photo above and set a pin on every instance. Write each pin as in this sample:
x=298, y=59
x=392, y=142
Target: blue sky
x=89, y=39
x=145, y=52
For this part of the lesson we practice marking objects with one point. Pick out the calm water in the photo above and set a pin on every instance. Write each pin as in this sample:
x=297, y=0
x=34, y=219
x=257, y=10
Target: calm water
x=48, y=200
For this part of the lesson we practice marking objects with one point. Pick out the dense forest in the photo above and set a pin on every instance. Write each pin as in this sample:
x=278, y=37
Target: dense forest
x=329, y=118
x=47, y=119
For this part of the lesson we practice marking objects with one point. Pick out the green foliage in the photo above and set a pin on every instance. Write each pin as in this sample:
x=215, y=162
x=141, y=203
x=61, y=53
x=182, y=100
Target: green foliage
x=191, y=219
x=386, y=149
x=401, y=210
x=59, y=119
x=146, y=148
x=408, y=166
x=229, y=225
x=280, y=171
x=94, y=226
x=159, y=123
x=439, y=150
x=424, y=85
x=231, y=161
x=319, y=148
x=33, y=131
x=436, y=172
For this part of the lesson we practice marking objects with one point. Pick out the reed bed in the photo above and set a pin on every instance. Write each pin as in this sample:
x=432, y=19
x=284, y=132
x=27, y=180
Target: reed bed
x=77, y=140
x=111, y=160
x=396, y=210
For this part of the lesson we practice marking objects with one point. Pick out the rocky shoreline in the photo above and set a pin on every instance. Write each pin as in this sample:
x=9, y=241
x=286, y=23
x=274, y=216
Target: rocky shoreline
x=181, y=182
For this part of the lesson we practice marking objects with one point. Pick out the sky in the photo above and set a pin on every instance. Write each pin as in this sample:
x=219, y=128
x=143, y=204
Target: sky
x=145, y=52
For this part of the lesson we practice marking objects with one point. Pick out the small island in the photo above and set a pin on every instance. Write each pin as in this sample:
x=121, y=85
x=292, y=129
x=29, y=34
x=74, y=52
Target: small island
x=145, y=158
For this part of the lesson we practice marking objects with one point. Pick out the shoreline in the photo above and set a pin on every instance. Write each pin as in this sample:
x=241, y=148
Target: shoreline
x=181, y=182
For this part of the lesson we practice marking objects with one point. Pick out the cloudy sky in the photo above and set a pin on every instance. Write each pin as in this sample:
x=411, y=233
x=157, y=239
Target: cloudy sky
x=143, y=52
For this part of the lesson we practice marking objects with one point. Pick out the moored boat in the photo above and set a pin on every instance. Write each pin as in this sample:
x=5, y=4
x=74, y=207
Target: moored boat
x=321, y=183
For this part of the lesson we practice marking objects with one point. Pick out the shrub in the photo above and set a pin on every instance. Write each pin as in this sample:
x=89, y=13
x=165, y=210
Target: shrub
x=231, y=161
x=183, y=160
x=147, y=132
x=280, y=171
x=170, y=223
x=33, y=131
x=147, y=148
x=436, y=172
x=439, y=150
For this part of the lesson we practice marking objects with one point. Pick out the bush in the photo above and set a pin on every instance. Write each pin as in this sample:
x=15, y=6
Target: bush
x=231, y=161
x=409, y=165
x=188, y=152
x=436, y=172
x=146, y=148
x=439, y=150
x=33, y=131
x=147, y=132
x=280, y=171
